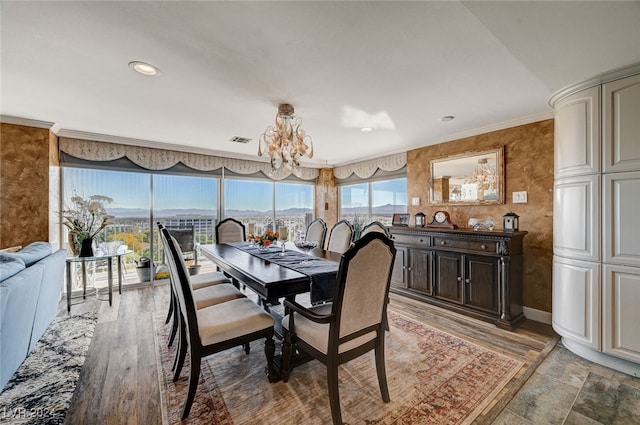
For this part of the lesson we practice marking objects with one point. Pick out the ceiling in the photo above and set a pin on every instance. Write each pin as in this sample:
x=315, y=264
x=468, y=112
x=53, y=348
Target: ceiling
x=225, y=66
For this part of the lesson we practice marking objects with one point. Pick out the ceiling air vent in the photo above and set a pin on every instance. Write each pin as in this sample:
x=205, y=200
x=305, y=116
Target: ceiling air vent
x=237, y=139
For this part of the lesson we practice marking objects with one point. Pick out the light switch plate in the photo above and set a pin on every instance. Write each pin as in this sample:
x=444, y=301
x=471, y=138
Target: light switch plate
x=415, y=201
x=520, y=197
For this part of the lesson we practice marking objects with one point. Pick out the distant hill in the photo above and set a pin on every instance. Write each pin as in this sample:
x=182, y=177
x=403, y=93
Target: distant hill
x=175, y=212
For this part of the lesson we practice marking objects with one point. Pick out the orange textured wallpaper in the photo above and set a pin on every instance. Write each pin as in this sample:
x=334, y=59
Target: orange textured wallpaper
x=24, y=184
x=528, y=157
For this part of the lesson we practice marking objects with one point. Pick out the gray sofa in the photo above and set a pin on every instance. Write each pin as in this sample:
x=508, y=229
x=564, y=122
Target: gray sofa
x=30, y=284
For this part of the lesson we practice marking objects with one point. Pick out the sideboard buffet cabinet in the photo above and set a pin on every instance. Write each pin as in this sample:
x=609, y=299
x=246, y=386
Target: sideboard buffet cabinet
x=476, y=273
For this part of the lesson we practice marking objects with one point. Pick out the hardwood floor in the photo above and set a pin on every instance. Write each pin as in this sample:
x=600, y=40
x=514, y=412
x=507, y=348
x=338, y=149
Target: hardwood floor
x=119, y=381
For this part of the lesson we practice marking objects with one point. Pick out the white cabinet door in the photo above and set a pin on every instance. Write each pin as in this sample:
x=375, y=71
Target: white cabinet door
x=576, y=217
x=621, y=125
x=577, y=134
x=621, y=312
x=576, y=301
x=621, y=218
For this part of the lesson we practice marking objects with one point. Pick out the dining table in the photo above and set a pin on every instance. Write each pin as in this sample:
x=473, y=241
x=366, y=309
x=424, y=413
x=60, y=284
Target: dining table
x=273, y=276
x=277, y=273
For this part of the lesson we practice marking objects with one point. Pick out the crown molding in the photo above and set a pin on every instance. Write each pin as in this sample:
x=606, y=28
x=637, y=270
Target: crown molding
x=28, y=122
x=605, y=77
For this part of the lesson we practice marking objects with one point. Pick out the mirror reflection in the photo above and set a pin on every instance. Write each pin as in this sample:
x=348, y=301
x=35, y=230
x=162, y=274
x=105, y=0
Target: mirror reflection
x=468, y=179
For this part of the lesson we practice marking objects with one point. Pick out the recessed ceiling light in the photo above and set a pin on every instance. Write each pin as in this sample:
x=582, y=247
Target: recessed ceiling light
x=366, y=129
x=144, y=68
x=447, y=118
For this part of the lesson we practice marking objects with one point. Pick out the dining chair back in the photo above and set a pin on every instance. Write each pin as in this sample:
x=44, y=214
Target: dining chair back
x=230, y=230
x=340, y=237
x=354, y=323
x=375, y=226
x=317, y=231
x=215, y=328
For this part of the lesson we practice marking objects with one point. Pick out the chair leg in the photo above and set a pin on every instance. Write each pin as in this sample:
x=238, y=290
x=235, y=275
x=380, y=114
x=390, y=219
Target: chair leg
x=334, y=394
x=247, y=347
x=194, y=376
x=386, y=320
x=171, y=301
x=181, y=354
x=174, y=324
x=380, y=369
x=174, y=331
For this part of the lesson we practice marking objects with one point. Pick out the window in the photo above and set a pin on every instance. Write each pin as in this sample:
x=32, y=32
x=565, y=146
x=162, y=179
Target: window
x=258, y=204
x=363, y=203
x=141, y=199
x=131, y=226
x=294, y=209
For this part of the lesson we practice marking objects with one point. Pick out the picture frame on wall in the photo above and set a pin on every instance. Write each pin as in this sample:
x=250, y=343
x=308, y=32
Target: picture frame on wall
x=400, y=220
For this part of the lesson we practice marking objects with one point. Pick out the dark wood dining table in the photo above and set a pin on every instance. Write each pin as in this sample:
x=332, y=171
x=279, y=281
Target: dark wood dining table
x=267, y=279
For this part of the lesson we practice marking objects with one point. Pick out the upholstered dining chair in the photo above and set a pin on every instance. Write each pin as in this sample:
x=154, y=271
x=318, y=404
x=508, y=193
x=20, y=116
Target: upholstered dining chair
x=353, y=324
x=215, y=328
x=205, y=297
x=230, y=230
x=375, y=226
x=340, y=237
x=317, y=231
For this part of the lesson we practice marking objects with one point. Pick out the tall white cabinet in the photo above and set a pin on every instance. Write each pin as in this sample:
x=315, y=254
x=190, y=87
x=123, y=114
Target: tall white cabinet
x=596, y=219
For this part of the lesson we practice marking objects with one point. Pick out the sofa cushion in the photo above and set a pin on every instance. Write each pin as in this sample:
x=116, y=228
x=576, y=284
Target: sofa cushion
x=31, y=253
x=10, y=266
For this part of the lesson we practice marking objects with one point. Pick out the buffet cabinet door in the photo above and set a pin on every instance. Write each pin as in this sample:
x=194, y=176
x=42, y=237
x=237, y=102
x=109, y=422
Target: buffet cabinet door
x=481, y=283
x=400, y=265
x=420, y=271
x=448, y=276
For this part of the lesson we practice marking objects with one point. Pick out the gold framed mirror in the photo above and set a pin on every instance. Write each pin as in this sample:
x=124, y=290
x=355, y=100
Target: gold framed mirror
x=471, y=178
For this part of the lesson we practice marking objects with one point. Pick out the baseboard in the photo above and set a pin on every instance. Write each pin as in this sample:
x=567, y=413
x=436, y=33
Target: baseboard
x=537, y=315
x=621, y=365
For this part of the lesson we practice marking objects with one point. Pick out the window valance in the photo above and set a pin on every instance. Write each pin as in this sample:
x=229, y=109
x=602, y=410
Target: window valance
x=155, y=159
x=366, y=169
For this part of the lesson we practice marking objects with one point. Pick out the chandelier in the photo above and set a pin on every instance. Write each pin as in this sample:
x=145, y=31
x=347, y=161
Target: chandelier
x=484, y=173
x=286, y=143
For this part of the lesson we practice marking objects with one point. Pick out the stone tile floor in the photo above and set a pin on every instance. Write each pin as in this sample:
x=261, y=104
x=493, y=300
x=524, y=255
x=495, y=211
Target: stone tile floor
x=569, y=390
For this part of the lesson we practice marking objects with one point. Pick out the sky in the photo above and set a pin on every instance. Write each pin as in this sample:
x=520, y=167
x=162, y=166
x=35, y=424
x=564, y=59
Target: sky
x=132, y=190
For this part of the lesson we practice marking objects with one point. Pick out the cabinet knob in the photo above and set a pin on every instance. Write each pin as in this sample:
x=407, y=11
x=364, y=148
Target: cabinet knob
x=459, y=279
x=483, y=246
x=421, y=240
x=409, y=268
x=443, y=243
x=467, y=281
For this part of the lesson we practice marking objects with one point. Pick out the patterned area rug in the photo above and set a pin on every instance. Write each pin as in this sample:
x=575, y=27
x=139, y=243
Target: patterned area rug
x=41, y=389
x=433, y=378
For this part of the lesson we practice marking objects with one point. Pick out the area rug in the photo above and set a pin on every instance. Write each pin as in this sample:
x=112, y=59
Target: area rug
x=433, y=378
x=41, y=389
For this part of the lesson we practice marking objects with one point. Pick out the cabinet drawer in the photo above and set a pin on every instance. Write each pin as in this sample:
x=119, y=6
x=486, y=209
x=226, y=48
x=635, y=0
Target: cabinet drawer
x=421, y=240
x=479, y=246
